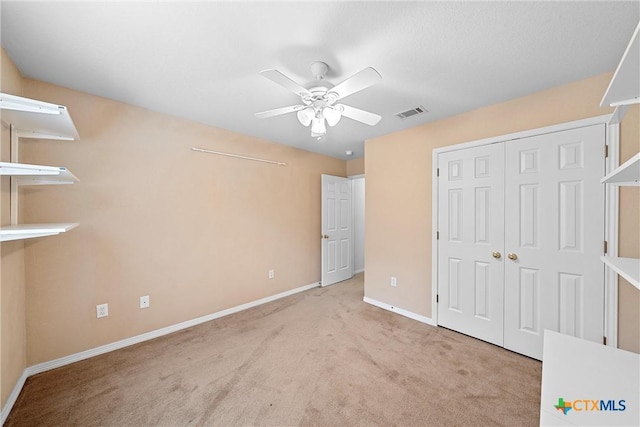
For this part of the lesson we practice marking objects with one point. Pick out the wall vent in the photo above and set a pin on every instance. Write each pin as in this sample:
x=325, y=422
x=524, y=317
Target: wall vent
x=412, y=112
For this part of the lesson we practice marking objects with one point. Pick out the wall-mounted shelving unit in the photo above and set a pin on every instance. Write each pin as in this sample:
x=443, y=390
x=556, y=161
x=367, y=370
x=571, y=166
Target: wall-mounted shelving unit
x=627, y=174
x=28, y=118
x=624, y=90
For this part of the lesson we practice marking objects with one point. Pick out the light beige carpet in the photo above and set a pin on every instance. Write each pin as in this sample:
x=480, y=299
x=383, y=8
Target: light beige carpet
x=322, y=357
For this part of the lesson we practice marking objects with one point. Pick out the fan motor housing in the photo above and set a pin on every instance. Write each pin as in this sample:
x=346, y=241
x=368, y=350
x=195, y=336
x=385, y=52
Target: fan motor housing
x=320, y=95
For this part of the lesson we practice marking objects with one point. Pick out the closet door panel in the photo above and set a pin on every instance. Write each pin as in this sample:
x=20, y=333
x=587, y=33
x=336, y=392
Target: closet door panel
x=470, y=220
x=554, y=228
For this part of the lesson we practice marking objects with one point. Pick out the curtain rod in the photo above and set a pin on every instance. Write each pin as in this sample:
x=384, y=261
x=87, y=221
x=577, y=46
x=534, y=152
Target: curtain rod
x=255, y=159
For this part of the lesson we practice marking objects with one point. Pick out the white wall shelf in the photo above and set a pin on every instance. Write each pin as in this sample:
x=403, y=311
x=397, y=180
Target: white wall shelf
x=28, y=118
x=29, y=231
x=37, y=119
x=624, y=88
x=629, y=268
x=626, y=174
x=36, y=174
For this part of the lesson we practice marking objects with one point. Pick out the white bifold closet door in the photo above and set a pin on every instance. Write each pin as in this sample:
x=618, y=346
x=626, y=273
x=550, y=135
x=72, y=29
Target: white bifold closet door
x=471, y=226
x=521, y=232
x=555, y=227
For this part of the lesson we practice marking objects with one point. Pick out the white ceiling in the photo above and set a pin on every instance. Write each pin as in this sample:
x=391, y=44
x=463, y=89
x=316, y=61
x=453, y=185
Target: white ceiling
x=200, y=60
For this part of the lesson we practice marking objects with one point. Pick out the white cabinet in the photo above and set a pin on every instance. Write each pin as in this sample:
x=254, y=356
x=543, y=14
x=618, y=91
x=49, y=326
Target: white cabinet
x=28, y=118
x=588, y=384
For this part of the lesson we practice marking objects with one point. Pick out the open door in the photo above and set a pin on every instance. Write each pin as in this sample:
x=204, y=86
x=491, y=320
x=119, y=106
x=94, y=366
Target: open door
x=336, y=233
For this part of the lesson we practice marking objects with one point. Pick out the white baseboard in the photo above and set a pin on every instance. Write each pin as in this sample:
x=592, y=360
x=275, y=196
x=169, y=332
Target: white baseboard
x=401, y=311
x=13, y=397
x=46, y=366
x=359, y=271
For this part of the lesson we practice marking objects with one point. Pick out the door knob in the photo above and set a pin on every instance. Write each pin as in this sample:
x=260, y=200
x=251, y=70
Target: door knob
x=512, y=256
x=496, y=255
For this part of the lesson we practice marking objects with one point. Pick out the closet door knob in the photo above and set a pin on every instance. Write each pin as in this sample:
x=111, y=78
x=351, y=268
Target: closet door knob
x=496, y=255
x=512, y=256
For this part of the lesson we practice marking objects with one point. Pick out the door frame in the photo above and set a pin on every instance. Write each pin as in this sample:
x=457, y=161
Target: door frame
x=611, y=215
x=353, y=217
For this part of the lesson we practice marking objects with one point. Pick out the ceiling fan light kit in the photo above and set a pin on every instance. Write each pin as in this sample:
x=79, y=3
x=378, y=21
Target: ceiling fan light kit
x=319, y=106
x=318, y=128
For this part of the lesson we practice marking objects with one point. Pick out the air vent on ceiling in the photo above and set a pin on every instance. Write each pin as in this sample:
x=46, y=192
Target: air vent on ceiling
x=412, y=112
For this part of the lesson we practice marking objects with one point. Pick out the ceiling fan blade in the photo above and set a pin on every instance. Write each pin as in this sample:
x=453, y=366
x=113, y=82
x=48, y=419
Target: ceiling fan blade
x=359, y=115
x=278, y=111
x=284, y=81
x=357, y=82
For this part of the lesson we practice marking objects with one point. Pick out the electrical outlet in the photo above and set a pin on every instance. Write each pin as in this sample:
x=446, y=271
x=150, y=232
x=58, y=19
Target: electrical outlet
x=144, y=301
x=394, y=281
x=102, y=310
x=272, y=274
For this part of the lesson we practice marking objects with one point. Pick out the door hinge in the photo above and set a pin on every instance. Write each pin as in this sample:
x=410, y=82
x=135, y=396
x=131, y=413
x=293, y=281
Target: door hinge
x=437, y=171
x=604, y=340
x=606, y=246
x=437, y=298
x=437, y=235
x=606, y=151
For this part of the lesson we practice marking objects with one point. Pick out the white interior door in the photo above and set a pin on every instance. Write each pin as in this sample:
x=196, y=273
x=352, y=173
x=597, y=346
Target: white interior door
x=554, y=228
x=540, y=199
x=336, y=230
x=471, y=224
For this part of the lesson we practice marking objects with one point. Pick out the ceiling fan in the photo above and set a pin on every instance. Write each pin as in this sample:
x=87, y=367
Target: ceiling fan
x=319, y=98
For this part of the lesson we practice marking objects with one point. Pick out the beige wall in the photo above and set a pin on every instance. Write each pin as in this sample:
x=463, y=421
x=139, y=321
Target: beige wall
x=398, y=192
x=355, y=167
x=13, y=336
x=196, y=232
